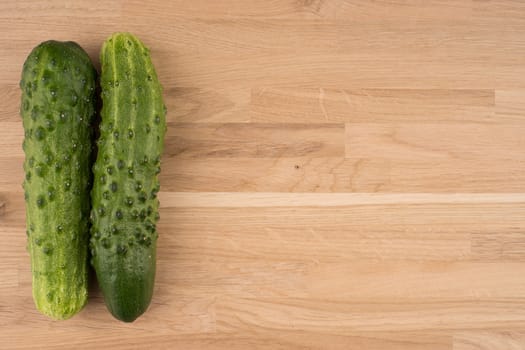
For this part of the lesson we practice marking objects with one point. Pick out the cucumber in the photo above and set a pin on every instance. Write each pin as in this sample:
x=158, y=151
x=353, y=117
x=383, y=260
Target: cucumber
x=57, y=108
x=124, y=196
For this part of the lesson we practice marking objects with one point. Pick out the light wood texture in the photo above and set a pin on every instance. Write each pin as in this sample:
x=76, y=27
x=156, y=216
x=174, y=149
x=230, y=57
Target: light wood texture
x=338, y=174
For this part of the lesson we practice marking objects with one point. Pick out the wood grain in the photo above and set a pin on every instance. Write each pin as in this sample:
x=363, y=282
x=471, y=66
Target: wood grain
x=295, y=105
x=338, y=174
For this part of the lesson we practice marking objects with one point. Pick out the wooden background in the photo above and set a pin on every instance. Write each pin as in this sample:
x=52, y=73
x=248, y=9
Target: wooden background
x=338, y=174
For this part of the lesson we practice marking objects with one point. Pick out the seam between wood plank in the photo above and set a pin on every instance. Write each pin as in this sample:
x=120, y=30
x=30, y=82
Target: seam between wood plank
x=269, y=199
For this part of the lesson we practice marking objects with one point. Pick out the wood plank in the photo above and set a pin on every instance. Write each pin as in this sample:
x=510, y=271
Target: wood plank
x=443, y=11
x=329, y=174
x=293, y=105
x=8, y=274
x=415, y=54
x=510, y=105
x=352, y=281
x=265, y=200
x=335, y=243
x=11, y=173
x=11, y=138
x=10, y=94
x=23, y=9
x=261, y=339
x=485, y=340
x=353, y=71
x=12, y=211
x=499, y=245
x=239, y=140
x=425, y=214
x=350, y=62
x=191, y=105
x=340, y=316
x=435, y=142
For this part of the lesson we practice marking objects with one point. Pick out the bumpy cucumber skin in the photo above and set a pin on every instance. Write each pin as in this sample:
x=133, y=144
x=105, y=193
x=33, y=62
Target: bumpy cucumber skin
x=58, y=106
x=124, y=195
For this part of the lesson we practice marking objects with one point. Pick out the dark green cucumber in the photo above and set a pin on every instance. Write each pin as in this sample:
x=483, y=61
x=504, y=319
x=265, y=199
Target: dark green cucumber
x=58, y=105
x=124, y=196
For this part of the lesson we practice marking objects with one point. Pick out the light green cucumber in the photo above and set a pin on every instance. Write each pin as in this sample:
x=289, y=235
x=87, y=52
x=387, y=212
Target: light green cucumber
x=57, y=108
x=124, y=197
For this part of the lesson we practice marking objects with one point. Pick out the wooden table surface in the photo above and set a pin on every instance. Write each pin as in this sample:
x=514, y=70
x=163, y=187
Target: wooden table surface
x=338, y=174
